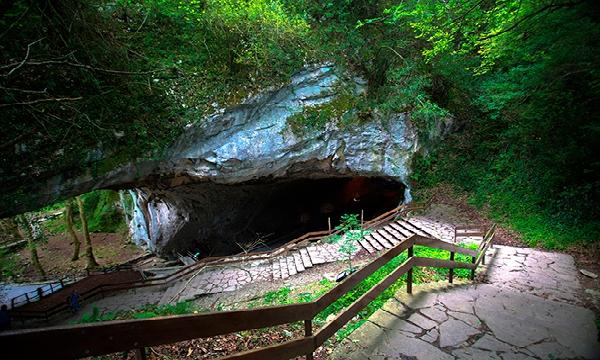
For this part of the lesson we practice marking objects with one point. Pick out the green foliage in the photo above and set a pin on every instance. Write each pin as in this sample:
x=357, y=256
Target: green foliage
x=527, y=147
x=9, y=265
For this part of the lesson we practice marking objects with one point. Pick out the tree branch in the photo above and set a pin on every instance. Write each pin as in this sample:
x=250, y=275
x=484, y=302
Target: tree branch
x=77, y=65
x=33, y=102
x=19, y=65
x=530, y=16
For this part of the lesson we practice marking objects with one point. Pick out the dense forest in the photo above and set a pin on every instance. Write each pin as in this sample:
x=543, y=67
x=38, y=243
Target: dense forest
x=94, y=84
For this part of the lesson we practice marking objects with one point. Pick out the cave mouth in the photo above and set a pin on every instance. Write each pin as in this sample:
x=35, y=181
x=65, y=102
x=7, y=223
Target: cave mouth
x=221, y=220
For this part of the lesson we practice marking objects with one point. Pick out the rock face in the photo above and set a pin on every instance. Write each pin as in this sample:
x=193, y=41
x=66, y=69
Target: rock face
x=229, y=167
x=214, y=166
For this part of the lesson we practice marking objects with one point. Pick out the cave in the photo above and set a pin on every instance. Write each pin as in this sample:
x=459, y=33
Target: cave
x=213, y=219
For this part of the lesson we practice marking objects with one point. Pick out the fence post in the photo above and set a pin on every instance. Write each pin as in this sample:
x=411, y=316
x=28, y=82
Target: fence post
x=451, y=273
x=409, y=274
x=307, y=333
x=140, y=353
x=473, y=270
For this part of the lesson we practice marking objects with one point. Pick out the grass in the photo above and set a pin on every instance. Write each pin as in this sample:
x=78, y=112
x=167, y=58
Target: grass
x=286, y=295
x=9, y=265
x=147, y=312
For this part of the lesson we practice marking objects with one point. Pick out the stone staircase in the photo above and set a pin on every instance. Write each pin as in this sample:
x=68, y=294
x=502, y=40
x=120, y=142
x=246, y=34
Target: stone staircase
x=297, y=261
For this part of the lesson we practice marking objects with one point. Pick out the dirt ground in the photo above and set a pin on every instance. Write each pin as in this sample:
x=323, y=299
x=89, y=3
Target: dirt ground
x=55, y=255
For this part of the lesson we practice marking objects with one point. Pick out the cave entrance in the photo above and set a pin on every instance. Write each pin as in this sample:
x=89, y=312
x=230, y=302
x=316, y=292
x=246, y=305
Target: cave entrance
x=227, y=219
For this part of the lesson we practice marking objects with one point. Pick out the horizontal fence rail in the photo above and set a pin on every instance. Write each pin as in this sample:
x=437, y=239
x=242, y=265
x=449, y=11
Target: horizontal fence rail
x=104, y=289
x=75, y=341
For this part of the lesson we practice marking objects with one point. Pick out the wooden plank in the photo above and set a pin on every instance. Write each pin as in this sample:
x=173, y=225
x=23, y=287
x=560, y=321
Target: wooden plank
x=305, y=258
x=381, y=240
x=75, y=341
x=429, y=262
x=286, y=350
x=352, y=280
x=341, y=319
x=439, y=244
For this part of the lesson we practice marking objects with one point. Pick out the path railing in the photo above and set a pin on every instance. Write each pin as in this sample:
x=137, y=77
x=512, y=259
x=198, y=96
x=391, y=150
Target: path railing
x=116, y=336
x=103, y=289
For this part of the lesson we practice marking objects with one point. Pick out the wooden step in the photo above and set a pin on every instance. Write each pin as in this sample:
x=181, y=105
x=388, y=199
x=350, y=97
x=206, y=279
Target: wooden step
x=315, y=257
x=374, y=243
x=389, y=237
x=283, y=267
x=381, y=240
x=298, y=261
x=305, y=258
x=291, y=265
x=365, y=244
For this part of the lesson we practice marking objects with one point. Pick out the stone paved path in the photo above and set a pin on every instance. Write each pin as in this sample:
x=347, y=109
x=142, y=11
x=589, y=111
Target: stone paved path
x=528, y=310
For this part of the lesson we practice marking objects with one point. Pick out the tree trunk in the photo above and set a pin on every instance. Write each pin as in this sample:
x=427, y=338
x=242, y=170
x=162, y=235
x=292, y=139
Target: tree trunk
x=27, y=233
x=69, y=229
x=89, y=253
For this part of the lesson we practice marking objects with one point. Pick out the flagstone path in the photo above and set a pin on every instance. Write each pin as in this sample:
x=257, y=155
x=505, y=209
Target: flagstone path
x=529, y=308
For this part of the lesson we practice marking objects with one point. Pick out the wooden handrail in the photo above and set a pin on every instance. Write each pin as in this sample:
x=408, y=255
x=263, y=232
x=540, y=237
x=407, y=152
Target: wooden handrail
x=114, y=336
x=210, y=261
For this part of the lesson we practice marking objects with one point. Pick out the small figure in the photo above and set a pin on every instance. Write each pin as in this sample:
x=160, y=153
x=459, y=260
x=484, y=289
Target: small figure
x=74, y=301
x=4, y=318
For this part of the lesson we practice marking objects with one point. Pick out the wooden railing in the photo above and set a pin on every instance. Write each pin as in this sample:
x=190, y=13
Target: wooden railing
x=103, y=289
x=116, y=336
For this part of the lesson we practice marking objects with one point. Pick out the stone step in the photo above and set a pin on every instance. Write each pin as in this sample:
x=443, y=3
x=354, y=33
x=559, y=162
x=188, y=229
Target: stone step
x=298, y=261
x=291, y=265
x=305, y=258
x=397, y=235
x=381, y=240
x=401, y=229
x=276, y=269
x=426, y=231
x=412, y=228
x=365, y=244
x=283, y=267
x=315, y=256
x=374, y=243
x=389, y=237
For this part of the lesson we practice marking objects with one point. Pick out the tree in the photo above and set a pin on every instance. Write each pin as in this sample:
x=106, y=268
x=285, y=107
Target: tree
x=69, y=229
x=89, y=253
x=30, y=232
x=350, y=231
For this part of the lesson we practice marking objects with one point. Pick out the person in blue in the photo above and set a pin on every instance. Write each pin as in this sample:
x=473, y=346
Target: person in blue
x=4, y=318
x=74, y=301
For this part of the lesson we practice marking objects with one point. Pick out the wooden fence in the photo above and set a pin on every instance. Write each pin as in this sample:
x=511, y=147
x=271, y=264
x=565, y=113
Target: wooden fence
x=104, y=289
x=75, y=341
